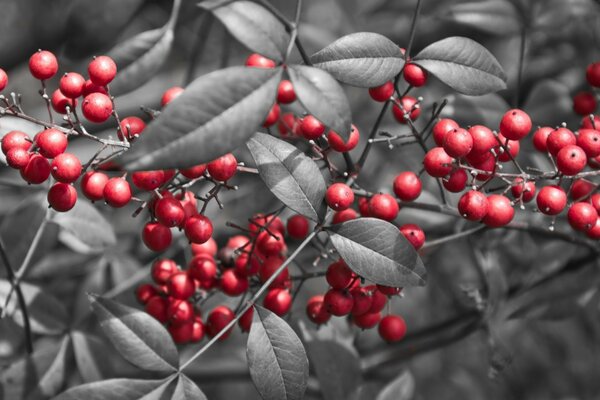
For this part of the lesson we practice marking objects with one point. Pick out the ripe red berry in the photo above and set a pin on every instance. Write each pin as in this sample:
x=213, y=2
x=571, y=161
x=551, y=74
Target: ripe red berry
x=338, y=302
x=442, y=127
x=17, y=158
x=287, y=125
x=269, y=267
x=198, y=229
x=559, y=138
x=181, y=333
x=551, y=200
x=407, y=186
x=339, y=275
x=279, y=301
x=458, y=143
x=285, y=92
x=162, y=269
x=582, y=216
x=378, y=299
x=407, y=107
x=132, y=127
x=473, y=205
x=584, y=103
x=60, y=102
x=97, y=107
x=316, y=311
x=170, y=94
x=344, y=215
x=523, y=190
x=218, y=319
x=148, y=180
x=92, y=185
x=203, y=270
x=590, y=123
x=209, y=247
x=51, y=142
x=15, y=140
x=180, y=311
x=415, y=75
x=540, y=138
x=169, y=212
x=117, y=192
x=297, y=227
x=392, y=328
x=581, y=189
x=62, y=197
x=382, y=93
x=389, y=290
x=156, y=236
x=71, y=85
x=368, y=320
x=592, y=74
x=594, y=232
x=256, y=60
x=259, y=220
x=157, y=307
x=3, y=79
x=223, y=168
x=513, y=147
x=245, y=321
x=488, y=166
x=273, y=116
x=414, y=234
x=311, y=128
x=571, y=160
x=456, y=181
x=145, y=292
x=181, y=285
x=90, y=87
x=37, y=169
x=362, y=300
x=383, y=206
x=589, y=141
x=500, y=211
x=337, y=143
x=483, y=140
x=102, y=70
x=437, y=162
x=339, y=196
x=363, y=207
x=515, y=124
x=66, y=168
x=194, y=172
x=43, y=65
x=232, y=283
x=270, y=244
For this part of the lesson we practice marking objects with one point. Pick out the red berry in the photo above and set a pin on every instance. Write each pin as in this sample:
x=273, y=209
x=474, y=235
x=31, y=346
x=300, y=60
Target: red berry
x=316, y=311
x=592, y=74
x=43, y=65
x=362, y=300
x=407, y=186
x=584, y=103
x=415, y=75
x=198, y=229
x=232, y=283
x=594, y=232
x=170, y=94
x=132, y=127
x=279, y=301
x=407, y=105
x=117, y=192
x=60, y=102
x=66, y=168
x=437, y=162
x=500, y=211
x=181, y=285
x=92, y=185
x=344, y=215
x=145, y=292
x=169, y=211
x=259, y=220
x=382, y=93
x=414, y=234
x=157, y=307
x=17, y=158
x=204, y=270
x=473, y=205
x=488, y=166
x=378, y=299
x=389, y=290
x=383, y=206
x=558, y=139
x=298, y=227
x=218, y=319
x=523, y=190
x=148, y=180
x=551, y=200
x=458, y=143
x=338, y=302
x=3, y=79
x=513, y=147
x=97, y=107
x=270, y=244
x=256, y=60
x=287, y=124
x=442, y=127
x=162, y=269
x=209, y=247
x=37, y=169
x=285, y=92
x=571, y=160
x=456, y=181
x=368, y=320
x=363, y=207
x=582, y=216
x=62, y=197
x=156, y=237
x=337, y=143
x=182, y=333
x=180, y=311
x=269, y=267
x=15, y=140
x=194, y=172
x=223, y=168
x=590, y=123
x=272, y=116
x=339, y=275
x=71, y=85
x=483, y=140
x=245, y=321
x=102, y=70
x=589, y=141
x=515, y=124
x=90, y=87
x=339, y=196
x=51, y=142
x=392, y=328
x=311, y=128
x=581, y=189
x=540, y=138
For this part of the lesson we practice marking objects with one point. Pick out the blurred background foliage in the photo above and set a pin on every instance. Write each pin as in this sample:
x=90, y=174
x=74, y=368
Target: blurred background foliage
x=541, y=345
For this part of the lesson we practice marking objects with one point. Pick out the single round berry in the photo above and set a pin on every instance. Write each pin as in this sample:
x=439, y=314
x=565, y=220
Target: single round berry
x=181, y=333
x=272, y=116
x=102, y=70
x=162, y=269
x=270, y=244
x=90, y=87
x=382, y=93
x=259, y=220
x=71, y=85
x=156, y=236
x=581, y=189
x=92, y=185
x=338, y=302
x=117, y=192
x=15, y=140
x=170, y=94
x=559, y=138
x=339, y=275
x=592, y=74
x=256, y=60
x=362, y=300
x=298, y=227
x=278, y=301
x=145, y=292
x=245, y=321
x=540, y=138
x=407, y=108
x=437, y=162
x=344, y=215
x=37, y=169
x=589, y=141
x=269, y=266
x=180, y=311
x=458, y=143
x=132, y=127
x=378, y=299
x=590, y=122
x=62, y=197
x=407, y=186
x=209, y=247
x=17, y=158
x=515, y=124
x=203, y=270
x=392, y=328
x=363, y=207
x=169, y=211
x=198, y=229
x=523, y=190
x=181, y=285
x=60, y=102
x=338, y=144
x=473, y=205
x=311, y=128
x=442, y=127
x=157, y=307
x=383, y=206
x=148, y=180
x=339, y=196
x=223, y=168
x=97, y=107
x=316, y=310
x=414, y=234
x=551, y=200
x=217, y=320
x=584, y=103
x=571, y=160
x=513, y=147
x=582, y=216
x=194, y=172
x=456, y=181
x=285, y=92
x=232, y=283
x=66, y=168
x=594, y=232
x=43, y=65
x=368, y=320
x=488, y=166
x=287, y=124
x=51, y=142
x=483, y=140
x=3, y=79
x=415, y=75
x=500, y=211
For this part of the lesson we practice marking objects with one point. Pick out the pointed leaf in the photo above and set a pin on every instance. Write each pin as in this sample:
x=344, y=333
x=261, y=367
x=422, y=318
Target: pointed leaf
x=86, y=223
x=377, y=251
x=292, y=176
x=361, y=59
x=401, y=388
x=187, y=390
x=214, y=115
x=139, y=58
x=323, y=97
x=493, y=17
x=253, y=25
x=122, y=389
x=90, y=356
x=276, y=358
x=464, y=65
x=139, y=338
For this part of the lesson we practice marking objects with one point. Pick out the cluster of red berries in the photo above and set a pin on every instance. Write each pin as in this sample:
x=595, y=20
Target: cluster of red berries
x=584, y=102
